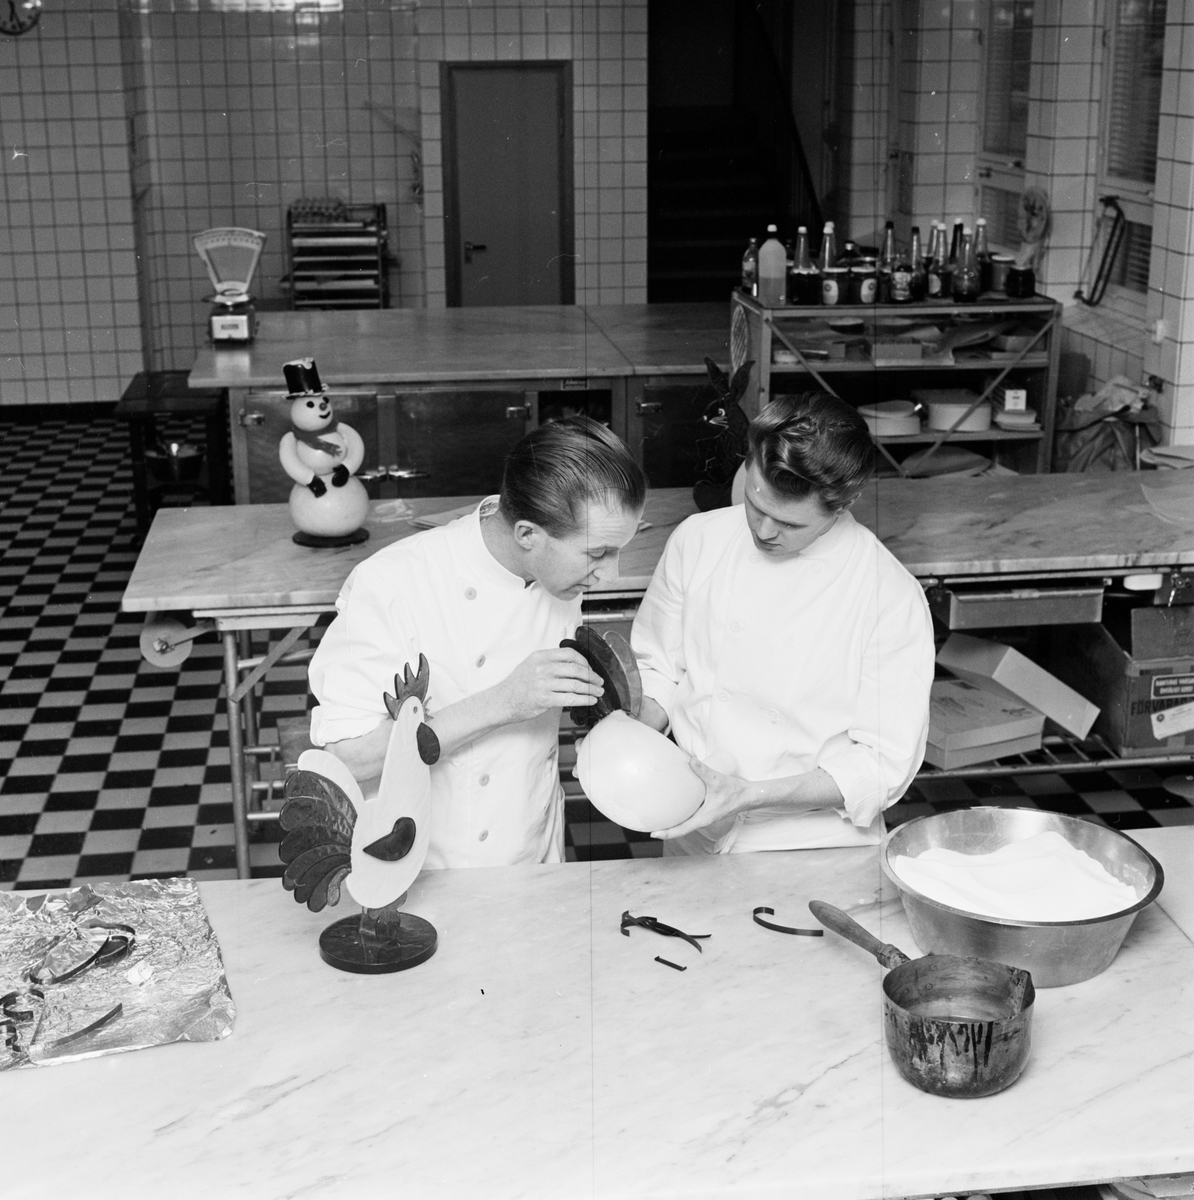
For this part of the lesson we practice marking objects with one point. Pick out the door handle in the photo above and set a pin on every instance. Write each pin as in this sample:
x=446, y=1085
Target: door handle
x=518, y=412
x=650, y=406
x=247, y=418
x=397, y=472
x=469, y=247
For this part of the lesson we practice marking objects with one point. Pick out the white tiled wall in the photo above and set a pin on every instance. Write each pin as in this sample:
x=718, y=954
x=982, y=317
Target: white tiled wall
x=1171, y=272
x=233, y=110
x=69, y=325
x=606, y=41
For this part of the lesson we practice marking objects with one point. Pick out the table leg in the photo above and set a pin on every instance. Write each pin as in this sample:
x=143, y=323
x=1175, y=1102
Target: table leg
x=249, y=705
x=236, y=755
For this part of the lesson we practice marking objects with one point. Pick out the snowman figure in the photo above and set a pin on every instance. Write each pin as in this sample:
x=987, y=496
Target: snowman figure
x=321, y=454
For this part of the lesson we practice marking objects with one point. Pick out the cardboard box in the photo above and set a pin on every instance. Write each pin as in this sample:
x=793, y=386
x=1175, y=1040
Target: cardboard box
x=1136, y=684
x=951, y=760
x=964, y=715
x=980, y=661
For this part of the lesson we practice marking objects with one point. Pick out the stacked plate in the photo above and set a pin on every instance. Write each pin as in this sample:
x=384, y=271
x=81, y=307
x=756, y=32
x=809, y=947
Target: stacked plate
x=890, y=418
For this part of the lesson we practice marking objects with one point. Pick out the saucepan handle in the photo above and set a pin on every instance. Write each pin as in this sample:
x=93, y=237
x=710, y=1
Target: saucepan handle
x=847, y=927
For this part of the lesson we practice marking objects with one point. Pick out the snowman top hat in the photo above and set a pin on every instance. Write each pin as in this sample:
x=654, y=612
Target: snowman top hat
x=302, y=378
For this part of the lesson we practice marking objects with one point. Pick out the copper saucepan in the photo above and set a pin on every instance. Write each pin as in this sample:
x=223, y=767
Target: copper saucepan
x=958, y=1027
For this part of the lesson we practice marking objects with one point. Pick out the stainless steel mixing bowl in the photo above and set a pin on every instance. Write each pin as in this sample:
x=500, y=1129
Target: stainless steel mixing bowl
x=1055, y=952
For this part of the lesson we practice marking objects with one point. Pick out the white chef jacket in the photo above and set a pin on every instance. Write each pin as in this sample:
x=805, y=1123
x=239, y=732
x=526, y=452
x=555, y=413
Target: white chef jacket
x=772, y=668
x=498, y=800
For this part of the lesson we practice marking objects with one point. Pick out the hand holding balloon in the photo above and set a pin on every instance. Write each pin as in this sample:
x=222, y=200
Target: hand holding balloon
x=637, y=777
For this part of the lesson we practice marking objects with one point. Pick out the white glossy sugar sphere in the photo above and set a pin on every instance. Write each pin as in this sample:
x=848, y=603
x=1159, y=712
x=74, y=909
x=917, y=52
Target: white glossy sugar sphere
x=637, y=777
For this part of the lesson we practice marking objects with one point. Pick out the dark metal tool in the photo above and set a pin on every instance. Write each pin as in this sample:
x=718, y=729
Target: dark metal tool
x=783, y=928
x=610, y=656
x=659, y=927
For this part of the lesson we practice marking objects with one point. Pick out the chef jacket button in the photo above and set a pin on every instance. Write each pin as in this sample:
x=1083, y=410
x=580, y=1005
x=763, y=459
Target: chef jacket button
x=481, y=661
x=483, y=835
x=735, y=627
x=772, y=715
x=483, y=780
x=470, y=593
x=723, y=697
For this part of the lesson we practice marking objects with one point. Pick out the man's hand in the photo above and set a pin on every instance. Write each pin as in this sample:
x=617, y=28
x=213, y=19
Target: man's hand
x=725, y=797
x=558, y=678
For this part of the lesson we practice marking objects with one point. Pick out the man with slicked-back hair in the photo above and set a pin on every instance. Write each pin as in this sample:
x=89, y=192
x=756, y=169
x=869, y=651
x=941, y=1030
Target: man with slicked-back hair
x=488, y=599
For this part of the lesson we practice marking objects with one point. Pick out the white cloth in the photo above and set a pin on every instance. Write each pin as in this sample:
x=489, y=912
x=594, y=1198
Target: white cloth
x=498, y=800
x=772, y=668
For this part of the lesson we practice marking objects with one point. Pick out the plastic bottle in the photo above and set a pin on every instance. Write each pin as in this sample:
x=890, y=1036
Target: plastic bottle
x=982, y=253
x=886, y=262
x=965, y=282
x=750, y=268
x=804, y=283
x=920, y=284
x=773, y=271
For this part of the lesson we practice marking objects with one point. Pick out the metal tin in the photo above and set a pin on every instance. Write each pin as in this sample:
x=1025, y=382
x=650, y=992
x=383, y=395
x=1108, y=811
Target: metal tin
x=1021, y=283
x=864, y=284
x=1000, y=265
x=834, y=285
x=804, y=287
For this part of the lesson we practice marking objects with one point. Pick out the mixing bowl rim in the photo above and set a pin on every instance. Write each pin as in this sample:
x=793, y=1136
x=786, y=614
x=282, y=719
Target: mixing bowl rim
x=1013, y=923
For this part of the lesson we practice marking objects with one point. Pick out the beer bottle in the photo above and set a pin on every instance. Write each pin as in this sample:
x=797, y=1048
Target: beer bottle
x=750, y=268
x=982, y=253
x=920, y=284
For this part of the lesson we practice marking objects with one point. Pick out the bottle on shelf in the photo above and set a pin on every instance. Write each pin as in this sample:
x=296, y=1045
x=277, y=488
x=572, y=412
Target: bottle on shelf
x=938, y=275
x=901, y=278
x=955, y=244
x=773, y=271
x=750, y=268
x=886, y=262
x=833, y=276
x=804, y=283
x=919, y=285
x=982, y=254
x=966, y=282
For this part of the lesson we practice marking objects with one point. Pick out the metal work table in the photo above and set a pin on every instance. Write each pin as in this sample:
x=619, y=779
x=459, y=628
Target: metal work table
x=404, y=365
x=237, y=570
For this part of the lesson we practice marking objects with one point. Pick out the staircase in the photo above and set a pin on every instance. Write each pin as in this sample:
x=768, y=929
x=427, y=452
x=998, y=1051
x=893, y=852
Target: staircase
x=709, y=191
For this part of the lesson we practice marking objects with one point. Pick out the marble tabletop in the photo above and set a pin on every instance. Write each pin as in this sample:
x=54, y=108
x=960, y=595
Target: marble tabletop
x=1023, y=523
x=539, y=1053
x=243, y=556
x=459, y=345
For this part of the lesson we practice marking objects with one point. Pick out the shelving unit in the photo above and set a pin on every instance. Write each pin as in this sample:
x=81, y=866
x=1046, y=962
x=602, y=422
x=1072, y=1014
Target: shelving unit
x=834, y=349
x=338, y=255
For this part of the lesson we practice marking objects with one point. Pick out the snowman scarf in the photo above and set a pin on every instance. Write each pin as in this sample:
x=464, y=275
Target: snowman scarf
x=314, y=439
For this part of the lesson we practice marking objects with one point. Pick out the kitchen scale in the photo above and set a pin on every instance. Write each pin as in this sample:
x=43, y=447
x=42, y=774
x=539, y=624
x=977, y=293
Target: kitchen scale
x=230, y=256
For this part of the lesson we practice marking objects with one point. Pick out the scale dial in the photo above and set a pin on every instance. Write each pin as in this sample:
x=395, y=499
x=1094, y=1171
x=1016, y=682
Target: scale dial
x=18, y=16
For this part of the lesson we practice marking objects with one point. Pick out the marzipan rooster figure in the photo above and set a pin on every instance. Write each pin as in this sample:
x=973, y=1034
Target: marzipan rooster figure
x=721, y=455
x=375, y=848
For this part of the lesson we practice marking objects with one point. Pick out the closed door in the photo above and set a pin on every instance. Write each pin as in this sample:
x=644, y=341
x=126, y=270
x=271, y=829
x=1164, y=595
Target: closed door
x=508, y=183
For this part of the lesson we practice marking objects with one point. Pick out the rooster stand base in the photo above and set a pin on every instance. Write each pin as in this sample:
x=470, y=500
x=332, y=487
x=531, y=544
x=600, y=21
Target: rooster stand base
x=371, y=945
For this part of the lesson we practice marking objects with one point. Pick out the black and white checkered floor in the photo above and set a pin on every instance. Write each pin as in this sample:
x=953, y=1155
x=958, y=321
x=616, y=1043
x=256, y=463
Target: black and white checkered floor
x=111, y=768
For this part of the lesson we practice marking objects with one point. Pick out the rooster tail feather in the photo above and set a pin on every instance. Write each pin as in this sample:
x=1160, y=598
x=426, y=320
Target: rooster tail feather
x=311, y=887
x=314, y=799
x=409, y=685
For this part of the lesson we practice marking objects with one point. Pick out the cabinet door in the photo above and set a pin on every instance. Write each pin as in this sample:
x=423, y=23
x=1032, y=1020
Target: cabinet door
x=672, y=426
x=454, y=443
x=265, y=417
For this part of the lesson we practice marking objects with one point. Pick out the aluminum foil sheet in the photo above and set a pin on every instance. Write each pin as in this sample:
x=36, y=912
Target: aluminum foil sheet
x=168, y=985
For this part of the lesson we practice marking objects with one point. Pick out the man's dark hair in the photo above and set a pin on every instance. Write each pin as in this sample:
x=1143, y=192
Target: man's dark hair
x=812, y=444
x=560, y=467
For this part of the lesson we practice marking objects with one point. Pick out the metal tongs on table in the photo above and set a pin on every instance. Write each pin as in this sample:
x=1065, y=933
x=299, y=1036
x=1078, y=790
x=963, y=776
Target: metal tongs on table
x=659, y=927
